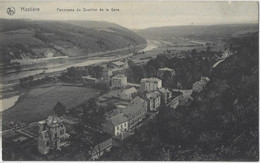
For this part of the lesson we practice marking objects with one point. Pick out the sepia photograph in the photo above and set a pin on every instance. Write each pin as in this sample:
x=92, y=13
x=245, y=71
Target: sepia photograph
x=129, y=81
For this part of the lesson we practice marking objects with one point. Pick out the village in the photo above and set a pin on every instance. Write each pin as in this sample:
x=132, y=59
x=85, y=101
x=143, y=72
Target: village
x=130, y=105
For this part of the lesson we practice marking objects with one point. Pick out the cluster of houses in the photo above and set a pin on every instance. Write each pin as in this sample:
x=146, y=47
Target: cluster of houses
x=185, y=97
x=133, y=104
x=52, y=135
x=198, y=86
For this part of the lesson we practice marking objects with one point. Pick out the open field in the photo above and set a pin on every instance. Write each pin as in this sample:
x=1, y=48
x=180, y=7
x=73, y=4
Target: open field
x=38, y=103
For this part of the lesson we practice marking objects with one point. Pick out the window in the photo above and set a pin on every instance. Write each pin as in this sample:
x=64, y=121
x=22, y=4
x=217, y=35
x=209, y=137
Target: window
x=117, y=127
x=125, y=124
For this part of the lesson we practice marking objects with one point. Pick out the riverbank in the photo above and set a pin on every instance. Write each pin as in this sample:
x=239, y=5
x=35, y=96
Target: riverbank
x=56, y=70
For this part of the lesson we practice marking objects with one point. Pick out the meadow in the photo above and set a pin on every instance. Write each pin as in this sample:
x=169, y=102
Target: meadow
x=38, y=103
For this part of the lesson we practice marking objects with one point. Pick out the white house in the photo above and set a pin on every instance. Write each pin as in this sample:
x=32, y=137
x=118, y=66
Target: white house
x=127, y=93
x=119, y=81
x=116, y=124
x=150, y=84
x=135, y=111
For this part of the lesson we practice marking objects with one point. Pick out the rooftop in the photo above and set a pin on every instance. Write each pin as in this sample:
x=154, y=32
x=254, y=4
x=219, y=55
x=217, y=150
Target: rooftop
x=151, y=95
x=166, y=69
x=118, y=119
x=137, y=98
x=88, y=77
x=119, y=76
x=150, y=80
x=118, y=63
x=132, y=109
x=204, y=79
x=53, y=120
x=163, y=90
x=130, y=90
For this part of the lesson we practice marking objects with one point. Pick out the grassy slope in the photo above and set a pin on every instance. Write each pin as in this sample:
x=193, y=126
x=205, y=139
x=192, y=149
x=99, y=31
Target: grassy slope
x=82, y=36
x=38, y=103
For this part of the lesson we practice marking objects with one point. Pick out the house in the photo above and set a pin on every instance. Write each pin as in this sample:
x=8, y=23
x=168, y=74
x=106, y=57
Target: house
x=127, y=93
x=198, y=86
x=166, y=95
x=107, y=73
x=204, y=80
x=153, y=100
x=103, y=144
x=119, y=81
x=52, y=134
x=135, y=111
x=120, y=106
x=87, y=80
x=162, y=71
x=116, y=64
x=116, y=124
x=150, y=84
x=48, y=54
x=181, y=100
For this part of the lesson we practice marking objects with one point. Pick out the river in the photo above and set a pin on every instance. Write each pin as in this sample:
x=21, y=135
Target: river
x=6, y=103
x=12, y=75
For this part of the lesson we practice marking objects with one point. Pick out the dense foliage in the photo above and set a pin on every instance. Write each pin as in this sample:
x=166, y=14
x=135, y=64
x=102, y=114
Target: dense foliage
x=188, y=70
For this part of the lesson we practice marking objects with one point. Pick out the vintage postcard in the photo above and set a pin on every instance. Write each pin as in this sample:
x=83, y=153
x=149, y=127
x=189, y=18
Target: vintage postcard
x=129, y=81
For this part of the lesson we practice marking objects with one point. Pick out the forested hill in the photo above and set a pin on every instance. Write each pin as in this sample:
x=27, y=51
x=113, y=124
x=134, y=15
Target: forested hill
x=221, y=123
x=27, y=38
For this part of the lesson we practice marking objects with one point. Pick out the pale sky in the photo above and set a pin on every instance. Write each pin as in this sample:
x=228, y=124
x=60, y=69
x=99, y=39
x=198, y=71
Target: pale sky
x=142, y=14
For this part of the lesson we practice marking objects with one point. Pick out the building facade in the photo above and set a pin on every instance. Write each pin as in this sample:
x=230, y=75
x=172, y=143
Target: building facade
x=166, y=95
x=153, y=100
x=52, y=134
x=119, y=81
x=135, y=111
x=107, y=73
x=198, y=86
x=116, y=124
x=151, y=84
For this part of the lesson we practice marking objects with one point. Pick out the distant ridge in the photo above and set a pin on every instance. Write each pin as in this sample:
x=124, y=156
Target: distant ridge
x=196, y=31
